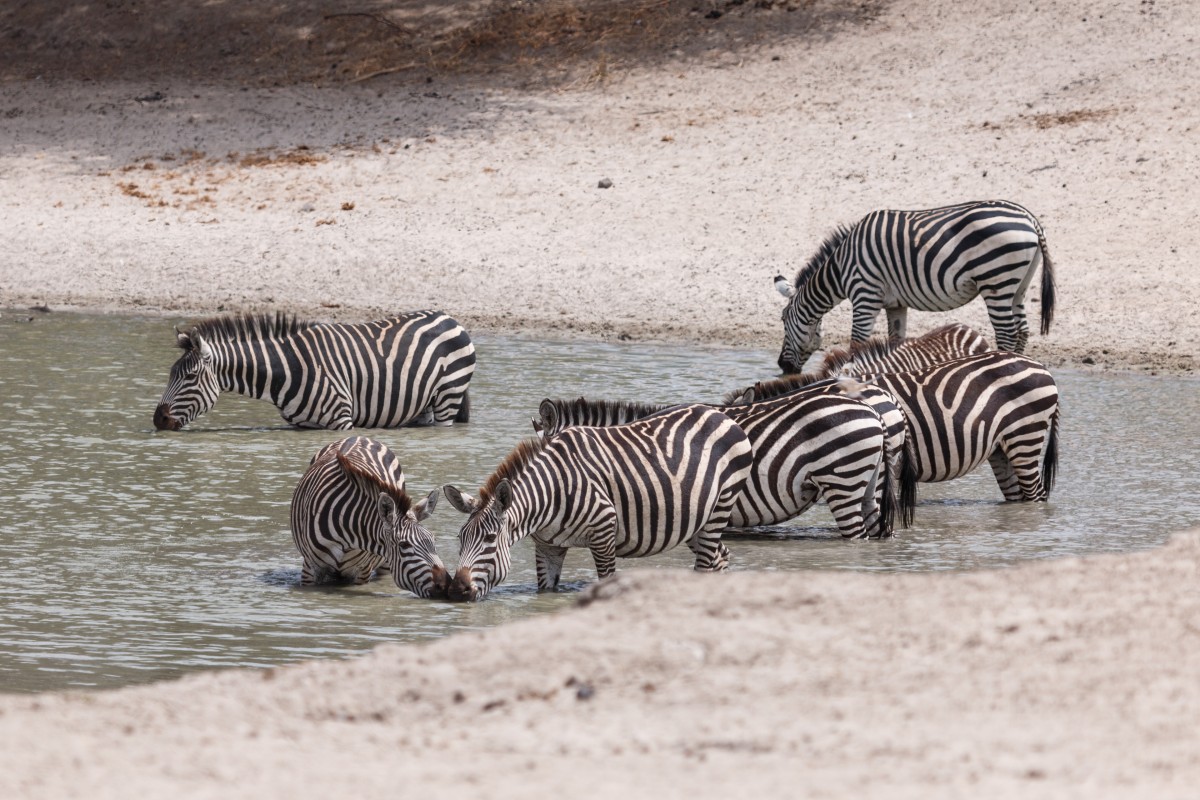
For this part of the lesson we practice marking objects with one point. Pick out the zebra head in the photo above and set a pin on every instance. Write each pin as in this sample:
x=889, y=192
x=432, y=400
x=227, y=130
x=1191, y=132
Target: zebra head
x=408, y=547
x=192, y=388
x=484, y=543
x=801, y=333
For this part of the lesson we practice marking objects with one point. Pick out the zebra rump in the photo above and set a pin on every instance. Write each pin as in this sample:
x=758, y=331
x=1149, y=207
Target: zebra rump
x=412, y=368
x=351, y=516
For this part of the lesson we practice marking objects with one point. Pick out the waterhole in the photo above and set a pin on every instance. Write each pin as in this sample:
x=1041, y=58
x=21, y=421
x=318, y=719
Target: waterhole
x=129, y=555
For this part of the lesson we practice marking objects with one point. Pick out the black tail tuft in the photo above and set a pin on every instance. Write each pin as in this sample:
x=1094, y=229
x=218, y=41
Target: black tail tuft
x=887, y=505
x=1047, y=286
x=908, y=483
x=464, y=410
x=1050, y=461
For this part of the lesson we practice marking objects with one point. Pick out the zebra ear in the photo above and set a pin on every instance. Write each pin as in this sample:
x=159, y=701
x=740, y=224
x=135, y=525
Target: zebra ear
x=784, y=286
x=504, y=495
x=460, y=500
x=424, y=508
x=746, y=397
x=387, y=508
x=549, y=414
x=182, y=340
x=537, y=426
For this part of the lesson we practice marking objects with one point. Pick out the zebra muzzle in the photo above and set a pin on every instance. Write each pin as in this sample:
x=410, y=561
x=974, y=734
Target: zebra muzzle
x=163, y=420
x=441, y=583
x=462, y=589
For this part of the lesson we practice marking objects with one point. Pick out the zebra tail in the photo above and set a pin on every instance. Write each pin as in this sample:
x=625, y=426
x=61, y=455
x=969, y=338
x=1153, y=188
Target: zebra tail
x=1047, y=286
x=887, y=506
x=464, y=410
x=908, y=484
x=1050, y=462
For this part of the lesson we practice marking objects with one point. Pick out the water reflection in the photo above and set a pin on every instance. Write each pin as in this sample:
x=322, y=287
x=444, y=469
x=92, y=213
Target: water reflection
x=131, y=555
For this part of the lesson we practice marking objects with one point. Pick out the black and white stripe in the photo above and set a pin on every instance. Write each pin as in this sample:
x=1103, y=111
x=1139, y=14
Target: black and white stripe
x=413, y=368
x=351, y=515
x=628, y=491
x=932, y=260
x=997, y=407
x=830, y=442
x=883, y=354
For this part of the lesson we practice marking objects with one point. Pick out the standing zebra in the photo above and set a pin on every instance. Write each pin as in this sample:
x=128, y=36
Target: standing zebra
x=412, y=368
x=817, y=444
x=351, y=515
x=997, y=407
x=932, y=260
x=883, y=354
x=629, y=491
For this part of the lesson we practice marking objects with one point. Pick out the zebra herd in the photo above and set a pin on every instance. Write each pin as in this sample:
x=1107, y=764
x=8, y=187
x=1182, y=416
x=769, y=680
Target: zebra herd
x=629, y=479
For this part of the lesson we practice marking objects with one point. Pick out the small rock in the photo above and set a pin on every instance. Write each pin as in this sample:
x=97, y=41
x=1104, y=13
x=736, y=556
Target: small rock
x=1089, y=360
x=605, y=183
x=308, y=208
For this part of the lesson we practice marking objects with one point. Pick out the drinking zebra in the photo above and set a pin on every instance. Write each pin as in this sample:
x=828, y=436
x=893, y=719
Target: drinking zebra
x=884, y=354
x=932, y=260
x=351, y=515
x=629, y=491
x=411, y=368
x=997, y=407
x=812, y=445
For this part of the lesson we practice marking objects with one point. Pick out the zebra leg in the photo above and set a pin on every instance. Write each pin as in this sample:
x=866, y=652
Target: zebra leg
x=711, y=553
x=1025, y=460
x=448, y=407
x=897, y=318
x=549, y=562
x=865, y=312
x=849, y=505
x=604, y=552
x=1008, y=320
x=1005, y=476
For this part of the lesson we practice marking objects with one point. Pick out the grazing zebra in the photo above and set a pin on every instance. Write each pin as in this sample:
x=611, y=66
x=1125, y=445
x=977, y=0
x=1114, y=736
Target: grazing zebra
x=997, y=407
x=351, y=515
x=818, y=444
x=412, y=368
x=932, y=260
x=882, y=354
x=628, y=491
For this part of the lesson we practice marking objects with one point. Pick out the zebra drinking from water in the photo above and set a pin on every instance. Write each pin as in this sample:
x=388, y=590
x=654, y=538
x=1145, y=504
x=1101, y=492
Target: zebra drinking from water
x=830, y=442
x=996, y=407
x=411, y=368
x=932, y=260
x=351, y=515
x=629, y=491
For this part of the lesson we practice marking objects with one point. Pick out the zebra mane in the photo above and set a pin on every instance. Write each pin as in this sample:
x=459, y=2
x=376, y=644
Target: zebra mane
x=361, y=468
x=831, y=243
x=513, y=465
x=605, y=409
x=248, y=327
x=765, y=390
x=875, y=348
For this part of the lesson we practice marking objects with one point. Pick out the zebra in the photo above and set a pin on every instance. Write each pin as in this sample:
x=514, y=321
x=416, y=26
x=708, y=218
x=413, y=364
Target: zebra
x=829, y=442
x=883, y=354
x=997, y=407
x=628, y=491
x=351, y=515
x=931, y=260
x=415, y=367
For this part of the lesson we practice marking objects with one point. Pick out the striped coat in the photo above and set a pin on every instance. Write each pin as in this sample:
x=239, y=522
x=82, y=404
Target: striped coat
x=413, y=368
x=628, y=491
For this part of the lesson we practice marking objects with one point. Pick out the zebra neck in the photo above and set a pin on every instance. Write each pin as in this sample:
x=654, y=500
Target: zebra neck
x=253, y=369
x=532, y=510
x=822, y=292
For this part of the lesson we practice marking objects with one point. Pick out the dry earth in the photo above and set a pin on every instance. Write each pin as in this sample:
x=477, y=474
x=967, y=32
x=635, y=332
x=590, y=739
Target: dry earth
x=226, y=156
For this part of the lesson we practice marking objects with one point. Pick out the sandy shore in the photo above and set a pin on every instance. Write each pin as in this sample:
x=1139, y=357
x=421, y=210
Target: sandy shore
x=1072, y=678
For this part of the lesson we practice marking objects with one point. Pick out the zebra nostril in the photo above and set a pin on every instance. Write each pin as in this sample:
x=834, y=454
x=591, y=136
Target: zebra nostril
x=462, y=588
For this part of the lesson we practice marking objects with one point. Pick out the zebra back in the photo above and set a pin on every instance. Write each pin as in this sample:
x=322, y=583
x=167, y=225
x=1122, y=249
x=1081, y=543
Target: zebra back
x=557, y=414
x=883, y=354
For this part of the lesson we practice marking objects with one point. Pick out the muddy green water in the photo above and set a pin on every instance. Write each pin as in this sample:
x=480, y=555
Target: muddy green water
x=129, y=555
